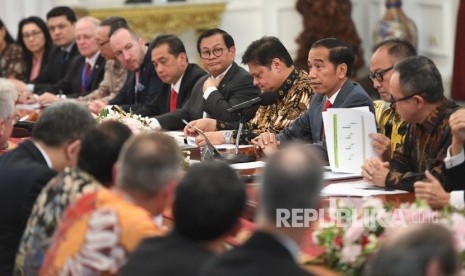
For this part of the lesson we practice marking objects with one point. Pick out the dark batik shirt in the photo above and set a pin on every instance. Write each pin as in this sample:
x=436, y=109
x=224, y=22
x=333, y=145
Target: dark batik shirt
x=425, y=147
x=294, y=97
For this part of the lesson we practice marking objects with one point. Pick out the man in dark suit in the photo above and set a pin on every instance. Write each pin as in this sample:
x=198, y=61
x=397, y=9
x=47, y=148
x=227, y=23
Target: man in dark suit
x=61, y=23
x=194, y=239
x=178, y=75
x=142, y=82
x=330, y=66
x=273, y=248
x=226, y=85
x=90, y=66
x=55, y=144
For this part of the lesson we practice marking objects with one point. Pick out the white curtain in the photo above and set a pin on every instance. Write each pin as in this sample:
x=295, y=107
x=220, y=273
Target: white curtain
x=12, y=11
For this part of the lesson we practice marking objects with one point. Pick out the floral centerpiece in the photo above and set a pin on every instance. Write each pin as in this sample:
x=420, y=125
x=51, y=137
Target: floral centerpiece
x=136, y=123
x=349, y=236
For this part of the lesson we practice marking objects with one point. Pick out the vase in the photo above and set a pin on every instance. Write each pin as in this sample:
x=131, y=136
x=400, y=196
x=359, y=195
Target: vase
x=395, y=24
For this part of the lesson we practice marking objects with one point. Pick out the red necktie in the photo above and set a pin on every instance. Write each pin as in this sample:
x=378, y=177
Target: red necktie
x=328, y=104
x=85, y=77
x=173, y=100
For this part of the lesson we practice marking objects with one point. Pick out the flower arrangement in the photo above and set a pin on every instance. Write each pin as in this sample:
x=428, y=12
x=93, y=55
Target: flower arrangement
x=349, y=236
x=136, y=123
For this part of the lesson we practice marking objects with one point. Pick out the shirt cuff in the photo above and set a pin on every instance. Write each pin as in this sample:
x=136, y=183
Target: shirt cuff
x=456, y=199
x=30, y=87
x=453, y=161
x=154, y=124
x=208, y=91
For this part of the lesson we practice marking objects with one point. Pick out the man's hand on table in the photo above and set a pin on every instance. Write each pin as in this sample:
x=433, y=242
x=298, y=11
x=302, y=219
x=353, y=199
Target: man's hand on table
x=374, y=171
x=432, y=192
x=266, y=142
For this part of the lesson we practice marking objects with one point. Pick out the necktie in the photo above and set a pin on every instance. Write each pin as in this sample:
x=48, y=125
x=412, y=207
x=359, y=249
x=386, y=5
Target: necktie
x=173, y=100
x=328, y=104
x=64, y=57
x=85, y=77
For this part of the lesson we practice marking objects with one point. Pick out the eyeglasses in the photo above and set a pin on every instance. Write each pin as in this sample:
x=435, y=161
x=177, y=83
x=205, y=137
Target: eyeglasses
x=31, y=34
x=394, y=101
x=379, y=76
x=103, y=43
x=217, y=52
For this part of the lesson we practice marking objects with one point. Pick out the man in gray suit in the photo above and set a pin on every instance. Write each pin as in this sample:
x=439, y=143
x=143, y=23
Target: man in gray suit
x=330, y=64
x=226, y=85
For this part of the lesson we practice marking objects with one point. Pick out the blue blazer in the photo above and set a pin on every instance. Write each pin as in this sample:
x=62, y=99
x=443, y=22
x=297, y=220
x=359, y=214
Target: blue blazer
x=309, y=125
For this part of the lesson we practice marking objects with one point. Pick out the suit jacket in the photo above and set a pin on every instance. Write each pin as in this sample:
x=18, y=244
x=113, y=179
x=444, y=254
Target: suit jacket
x=309, y=125
x=70, y=85
x=161, y=103
x=454, y=178
x=43, y=64
x=174, y=255
x=235, y=88
x=262, y=254
x=149, y=86
x=55, y=70
x=24, y=172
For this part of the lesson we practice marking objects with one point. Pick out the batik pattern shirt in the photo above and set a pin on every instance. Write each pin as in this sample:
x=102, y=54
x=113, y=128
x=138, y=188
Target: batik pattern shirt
x=113, y=80
x=294, y=97
x=425, y=147
x=61, y=191
x=390, y=124
x=97, y=234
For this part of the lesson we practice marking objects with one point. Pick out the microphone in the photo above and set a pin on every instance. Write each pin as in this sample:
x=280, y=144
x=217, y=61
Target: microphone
x=266, y=98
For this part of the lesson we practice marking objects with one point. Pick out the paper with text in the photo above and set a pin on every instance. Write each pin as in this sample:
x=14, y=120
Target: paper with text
x=347, y=140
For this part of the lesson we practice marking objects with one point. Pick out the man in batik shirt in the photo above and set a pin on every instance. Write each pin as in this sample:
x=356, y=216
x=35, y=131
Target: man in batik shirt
x=418, y=96
x=392, y=128
x=272, y=69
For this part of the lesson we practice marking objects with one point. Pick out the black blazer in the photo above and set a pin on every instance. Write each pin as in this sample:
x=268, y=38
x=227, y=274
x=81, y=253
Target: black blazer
x=43, y=64
x=161, y=103
x=235, y=88
x=55, y=70
x=455, y=178
x=262, y=254
x=70, y=85
x=23, y=174
x=171, y=255
x=150, y=85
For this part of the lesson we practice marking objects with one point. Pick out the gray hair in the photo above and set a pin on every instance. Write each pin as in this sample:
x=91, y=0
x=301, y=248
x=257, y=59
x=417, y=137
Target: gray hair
x=8, y=96
x=292, y=179
x=148, y=162
x=63, y=122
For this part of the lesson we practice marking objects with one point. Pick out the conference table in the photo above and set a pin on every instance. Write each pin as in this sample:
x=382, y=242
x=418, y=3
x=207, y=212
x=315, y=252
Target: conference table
x=250, y=178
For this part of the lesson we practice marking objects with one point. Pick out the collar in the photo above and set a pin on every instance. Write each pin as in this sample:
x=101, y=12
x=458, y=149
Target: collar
x=288, y=83
x=93, y=59
x=67, y=49
x=224, y=73
x=177, y=85
x=333, y=97
x=44, y=154
x=436, y=116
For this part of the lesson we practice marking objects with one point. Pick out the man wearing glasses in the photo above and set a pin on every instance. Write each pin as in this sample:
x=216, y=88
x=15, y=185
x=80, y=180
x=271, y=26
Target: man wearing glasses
x=392, y=129
x=418, y=97
x=225, y=85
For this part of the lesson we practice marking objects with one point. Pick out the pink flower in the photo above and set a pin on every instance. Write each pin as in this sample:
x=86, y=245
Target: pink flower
x=354, y=233
x=350, y=253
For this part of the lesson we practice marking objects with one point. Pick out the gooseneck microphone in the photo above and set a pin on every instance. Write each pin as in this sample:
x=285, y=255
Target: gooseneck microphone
x=265, y=98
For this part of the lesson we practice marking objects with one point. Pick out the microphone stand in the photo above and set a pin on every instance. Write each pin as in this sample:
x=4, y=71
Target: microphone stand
x=236, y=157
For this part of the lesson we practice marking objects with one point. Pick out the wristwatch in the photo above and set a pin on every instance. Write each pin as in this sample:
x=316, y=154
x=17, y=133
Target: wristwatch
x=227, y=136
